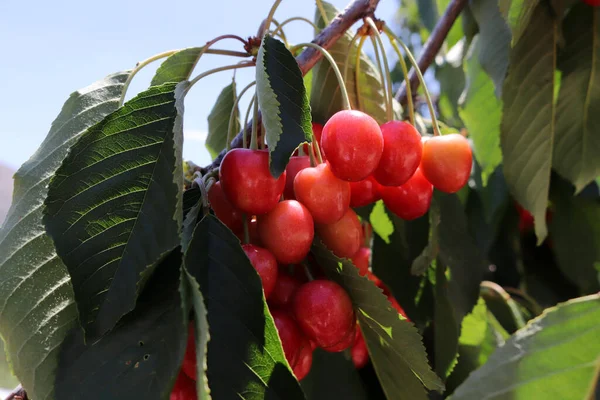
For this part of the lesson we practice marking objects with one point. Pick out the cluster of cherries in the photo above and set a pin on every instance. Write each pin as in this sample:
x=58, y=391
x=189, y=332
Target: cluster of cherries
x=277, y=218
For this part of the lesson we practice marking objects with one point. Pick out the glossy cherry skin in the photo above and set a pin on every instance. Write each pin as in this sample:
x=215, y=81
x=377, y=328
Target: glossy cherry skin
x=296, y=164
x=324, y=312
x=343, y=237
x=411, y=200
x=304, y=362
x=290, y=334
x=189, y=360
x=446, y=162
x=326, y=196
x=365, y=192
x=284, y=290
x=343, y=344
x=287, y=231
x=223, y=209
x=248, y=183
x=265, y=265
x=184, y=389
x=353, y=144
x=361, y=260
x=359, y=351
x=402, y=151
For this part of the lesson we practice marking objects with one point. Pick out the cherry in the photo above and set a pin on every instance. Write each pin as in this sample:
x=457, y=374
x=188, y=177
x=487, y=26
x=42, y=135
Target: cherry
x=411, y=200
x=359, y=351
x=248, y=183
x=189, y=360
x=402, y=152
x=290, y=335
x=343, y=344
x=287, y=231
x=343, y=237
x=304, y=362
x=296, y=164
x=361, y=260
x=446, y=162
x=284, y=290
x=324, y=312
x=397, y=306
x=223, y=209
x=353, y=144
x=184, y=389
x=265, y=264
x=326, y=196
x=365, y=192
x=593, y=3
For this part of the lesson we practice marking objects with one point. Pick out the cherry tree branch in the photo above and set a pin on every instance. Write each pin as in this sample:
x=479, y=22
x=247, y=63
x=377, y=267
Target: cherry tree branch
x=433, y=45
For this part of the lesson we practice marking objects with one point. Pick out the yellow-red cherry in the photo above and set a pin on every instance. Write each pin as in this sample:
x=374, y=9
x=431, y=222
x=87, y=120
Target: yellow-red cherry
x=184, y=388
x=248, y=183
x=223, y=209
x=353, y=144
x=402, y=151
x=411, y=200
x=287, y=231
x=343, y=237
x=447, y=161
x=265, y=264
x=295, y=165
x=365, y=192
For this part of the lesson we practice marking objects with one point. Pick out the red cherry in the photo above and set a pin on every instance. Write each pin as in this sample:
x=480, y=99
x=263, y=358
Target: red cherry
x=365, y=192
x=397, y=306
x=343, y=344
x=353, y=144
x=284, y=290
x=317, y=130
x=324, y=312
x=296, y=164
x=593, y=3
x=248, y=183
x=411, y=200
x=359, y=351
x=287, y=231
x=265, y=264
x=326, y=196
x=446, y=162
x=304, y=362
x=402, y=152
x=361, y=260
x=184, y=389
x=223, y=209
x=189, y=360
x=291, y=337
x=343, y=237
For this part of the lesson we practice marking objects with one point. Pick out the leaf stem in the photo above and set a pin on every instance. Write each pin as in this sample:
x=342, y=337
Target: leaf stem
x=233, y=109
x=287, y=21
x=215, y=70
x=387, y=78
x=336, y=70
x=279, y=32
x=271, y=15
x=254, y=136
x=411, y=106
x=245, y=131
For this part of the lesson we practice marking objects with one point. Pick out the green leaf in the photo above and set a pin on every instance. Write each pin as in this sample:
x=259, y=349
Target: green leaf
x=395, y=346
x=557, y=355
x=245, y=357
x=218, y=120
x=7, y=379
x=518, y=13
x=177, y=67
x=282, y=99
x=447, y=326
x=141, y=357
x=430, y=252
x=326, y=98
x=114, y=206
x=504, y=308
x=577, y=142
x=380, y=221
x=527, y=129
x=37, y=308
x=481, y=112
x=456, y=31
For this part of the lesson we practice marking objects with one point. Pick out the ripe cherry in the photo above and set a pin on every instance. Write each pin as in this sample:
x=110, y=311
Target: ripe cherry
x=296, y=164
x=402, y=152
x=324, y=312
x=304, y=362
x=353, y=144
x=359, y=351
x=287, y=231
x=343, y=237
x=365, y=192
x=411, y=200
x=446, y=162
x=326, y=196
x=184, y=389
x=343, y=344
x=223, y=209
x=265, y=265
x=284, y=290
x=290, y=335
x=189, y=360
x=248, y=183
x=361, y=260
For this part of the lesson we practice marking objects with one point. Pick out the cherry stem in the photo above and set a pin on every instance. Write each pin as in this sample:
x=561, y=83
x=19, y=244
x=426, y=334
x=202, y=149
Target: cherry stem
x=245, y=138
x=409, y=98
x=368, y=234
x=336, y=70
x=212, y=71
x=227, y=52
x=321, y=8
x=254, y=136
x=246, y=230
x=199, y=181
x=347, y=65
x=357, y=70
x=279, y=32
x=311, y=155
x=436, y=129
x=287, y=21
x=271, y=15
x=317, y=149
x=308, y=273
x=234, y=109
x=380, y=68
x=387, y=78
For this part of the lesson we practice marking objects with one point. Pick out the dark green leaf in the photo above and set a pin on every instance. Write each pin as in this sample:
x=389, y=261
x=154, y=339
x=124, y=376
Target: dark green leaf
x=518, y=13
x=35, y=282
x=395, y=346
x=177, y=67
x=114, y=206
x=428, y=12
x=577, y=142
x=245, y=357
x=218, y=120
x=451, y=77
x=556, y=356
x=282, y=98
x=7, y=379
x=447, y=326
x=430, y=252
x=141, y=357
x=527, y=129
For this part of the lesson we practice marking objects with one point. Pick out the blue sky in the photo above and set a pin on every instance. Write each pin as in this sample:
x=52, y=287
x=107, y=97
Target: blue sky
x=50, y=49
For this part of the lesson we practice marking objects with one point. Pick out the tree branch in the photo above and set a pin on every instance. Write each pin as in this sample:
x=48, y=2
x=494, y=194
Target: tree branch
x=355, y=11
x=433, y=45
